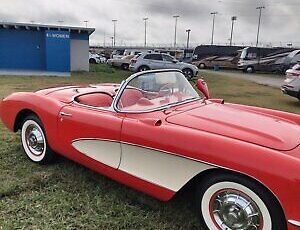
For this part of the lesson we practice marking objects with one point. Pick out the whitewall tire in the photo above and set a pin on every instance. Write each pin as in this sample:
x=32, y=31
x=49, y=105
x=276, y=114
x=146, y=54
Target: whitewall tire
x=230, y=203
x=34, y=141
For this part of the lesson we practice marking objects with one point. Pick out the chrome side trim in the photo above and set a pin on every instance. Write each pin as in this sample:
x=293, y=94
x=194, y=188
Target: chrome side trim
x=294, y=222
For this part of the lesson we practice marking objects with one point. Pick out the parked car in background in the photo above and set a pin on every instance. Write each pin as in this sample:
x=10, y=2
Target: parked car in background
x=96, y=58
x=134, y=52
x=291, y=85
x=175, y=53
x=123, y=63
x=291, y=60
x=153, y=61
x=119, y=53
x=225, y=62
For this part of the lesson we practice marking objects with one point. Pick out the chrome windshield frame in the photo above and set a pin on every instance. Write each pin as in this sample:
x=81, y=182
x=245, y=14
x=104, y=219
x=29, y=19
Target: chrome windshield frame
x=128, y=80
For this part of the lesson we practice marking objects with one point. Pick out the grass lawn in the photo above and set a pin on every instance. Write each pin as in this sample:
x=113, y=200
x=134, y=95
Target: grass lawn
x=68, y=196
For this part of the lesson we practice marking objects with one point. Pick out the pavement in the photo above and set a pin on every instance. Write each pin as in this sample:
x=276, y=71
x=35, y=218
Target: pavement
x=272, y=80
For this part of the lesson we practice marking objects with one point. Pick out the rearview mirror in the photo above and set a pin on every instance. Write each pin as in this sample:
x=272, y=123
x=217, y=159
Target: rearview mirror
x=203, y=88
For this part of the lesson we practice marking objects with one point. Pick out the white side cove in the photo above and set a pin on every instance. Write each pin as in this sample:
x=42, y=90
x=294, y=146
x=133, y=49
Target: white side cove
x=157, y=167
x=160, y=168
x=106, y=152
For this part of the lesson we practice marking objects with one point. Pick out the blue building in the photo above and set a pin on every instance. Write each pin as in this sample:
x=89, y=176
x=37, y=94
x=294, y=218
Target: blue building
x=34, y=49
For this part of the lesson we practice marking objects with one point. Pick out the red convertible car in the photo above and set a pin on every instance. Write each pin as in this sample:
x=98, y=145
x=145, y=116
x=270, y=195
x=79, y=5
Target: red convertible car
x=153, y=132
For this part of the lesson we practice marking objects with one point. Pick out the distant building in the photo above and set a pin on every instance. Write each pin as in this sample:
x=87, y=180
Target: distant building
x=34, y=49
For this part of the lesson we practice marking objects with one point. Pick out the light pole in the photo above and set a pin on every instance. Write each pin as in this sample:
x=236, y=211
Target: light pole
x=188, y=38
x=112, y=41
x=213, y=27
x=260, y=8
x=175, y=37
x=233, y=18
x=86, y=23
x=114, y=37
x=145, y=19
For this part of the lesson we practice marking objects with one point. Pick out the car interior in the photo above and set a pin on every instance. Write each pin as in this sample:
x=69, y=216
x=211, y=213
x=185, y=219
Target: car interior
x=96, y=99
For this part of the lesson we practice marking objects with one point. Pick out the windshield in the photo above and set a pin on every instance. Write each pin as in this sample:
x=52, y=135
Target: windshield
x=151, y=91
x=244, y=53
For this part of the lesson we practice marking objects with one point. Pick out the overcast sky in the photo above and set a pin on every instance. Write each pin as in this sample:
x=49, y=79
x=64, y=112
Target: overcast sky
x=280, y=20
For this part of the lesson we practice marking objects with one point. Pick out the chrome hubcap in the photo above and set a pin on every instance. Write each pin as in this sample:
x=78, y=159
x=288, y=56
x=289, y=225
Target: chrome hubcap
x=34, y=140
x=232, y=210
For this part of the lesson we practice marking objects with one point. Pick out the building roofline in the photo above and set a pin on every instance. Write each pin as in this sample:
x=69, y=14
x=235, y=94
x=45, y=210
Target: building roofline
x=30, y=26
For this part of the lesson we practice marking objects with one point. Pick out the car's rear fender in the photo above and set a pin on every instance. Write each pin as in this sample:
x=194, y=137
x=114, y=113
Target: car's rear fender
x=17, y=106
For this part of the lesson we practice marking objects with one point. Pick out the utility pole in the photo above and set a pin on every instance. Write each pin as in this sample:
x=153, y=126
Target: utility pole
x=260, y=8
x=86, y=23
x=114, y=37
x=188, y=38
x=213, y=27
x=233, y=18
x=175, y=37
x=145, y=19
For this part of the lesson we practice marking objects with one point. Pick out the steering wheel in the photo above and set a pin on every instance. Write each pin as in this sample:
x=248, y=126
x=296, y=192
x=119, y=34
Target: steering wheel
x=166, y=90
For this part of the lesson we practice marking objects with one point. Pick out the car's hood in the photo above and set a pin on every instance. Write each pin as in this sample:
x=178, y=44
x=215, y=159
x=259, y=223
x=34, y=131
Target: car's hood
x=264, y=130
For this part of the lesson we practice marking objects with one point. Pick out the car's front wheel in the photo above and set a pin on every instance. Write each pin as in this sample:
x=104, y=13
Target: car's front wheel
x=188, y=73
x=250, y=69
x=34, y=141
x=233, y=202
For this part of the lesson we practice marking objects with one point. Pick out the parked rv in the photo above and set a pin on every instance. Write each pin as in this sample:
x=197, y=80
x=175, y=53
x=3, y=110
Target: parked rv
x=265, y=59
x=205, y=51
x=224, y=62
x=187, y=56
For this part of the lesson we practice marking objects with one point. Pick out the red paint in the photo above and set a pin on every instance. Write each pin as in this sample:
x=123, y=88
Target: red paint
x=256, y=142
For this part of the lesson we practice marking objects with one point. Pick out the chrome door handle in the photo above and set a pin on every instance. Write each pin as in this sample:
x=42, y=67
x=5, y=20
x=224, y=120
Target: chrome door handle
x=63, y=114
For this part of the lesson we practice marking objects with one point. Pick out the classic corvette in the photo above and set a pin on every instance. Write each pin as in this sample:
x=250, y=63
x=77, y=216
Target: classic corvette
x=155, y=133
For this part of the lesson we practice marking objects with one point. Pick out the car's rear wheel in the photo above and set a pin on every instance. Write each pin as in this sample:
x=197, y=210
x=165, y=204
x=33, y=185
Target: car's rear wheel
x=233, y=202
x=188, y=73
x=143, y=68
x=34, y=141
x=202, y=66
x=125, y=66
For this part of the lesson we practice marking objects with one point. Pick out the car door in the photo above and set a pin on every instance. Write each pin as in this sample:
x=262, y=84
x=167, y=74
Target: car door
x=169, y=62
x=155, y=61
x=90, y=133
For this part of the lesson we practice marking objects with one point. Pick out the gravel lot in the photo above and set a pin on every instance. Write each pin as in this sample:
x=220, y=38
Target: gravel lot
x=273, y=80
